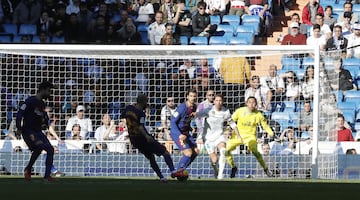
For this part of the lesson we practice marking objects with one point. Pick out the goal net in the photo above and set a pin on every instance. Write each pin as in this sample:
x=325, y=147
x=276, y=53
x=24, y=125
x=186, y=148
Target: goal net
x=291, y=85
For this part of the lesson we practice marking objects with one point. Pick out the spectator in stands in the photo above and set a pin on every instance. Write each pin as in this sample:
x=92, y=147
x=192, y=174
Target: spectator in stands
x=128, y=34
x=293, y=87
x=306, y=116
x=189, y=68
x=309, y=12
x=302, y=27
x=73, y=7
x=156, y=30
x=98, y=33
x=346, y=25
x=167, y=39
x=145, y=12
x=265, y=149
x=204, y=76
x=338, y=42
x=262, y=94
x=169, y=10
x=107, y=128
x=260, y=8
x=351, y=152
x=199, y=121
x=201, y=22
x=182, y=83
x=353, y=50
x=49, y=6
x=316, y=39
x=307, y=87
x=124, y=17
x=288, y=141
x=85, y=21
x=121, y=136
x=27, y=12
x=72, y=31
x=44, y=23
x=275, y=84
x=348, y=6
x=58, y=27
x=328, y=17
x=103, y=10
x=166, y=112
x=215, y=7
x=75, y=132
x=295, y=37
x=340, y=78
x=343, y=134
x=84, y=122
x=235, y=73
x=6, y=11
x=324, y=28
x=237, y=7
x=182, y=20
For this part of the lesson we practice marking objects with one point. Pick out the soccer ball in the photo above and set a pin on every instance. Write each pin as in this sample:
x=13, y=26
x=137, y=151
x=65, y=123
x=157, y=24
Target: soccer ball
x=184, y=178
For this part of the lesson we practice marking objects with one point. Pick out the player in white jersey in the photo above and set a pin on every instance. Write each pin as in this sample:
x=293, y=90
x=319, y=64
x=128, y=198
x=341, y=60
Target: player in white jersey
x=215, y=118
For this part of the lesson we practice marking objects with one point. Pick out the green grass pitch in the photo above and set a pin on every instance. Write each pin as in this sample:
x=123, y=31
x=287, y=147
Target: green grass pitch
x=76, y=188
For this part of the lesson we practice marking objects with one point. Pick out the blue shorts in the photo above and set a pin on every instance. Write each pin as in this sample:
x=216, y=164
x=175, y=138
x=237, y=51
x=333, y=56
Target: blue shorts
x=189, y=143
x=146, y=147
x=35, y=140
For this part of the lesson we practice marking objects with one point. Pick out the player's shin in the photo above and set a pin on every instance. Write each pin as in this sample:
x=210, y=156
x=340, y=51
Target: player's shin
x=222, y=161
x=169, y=162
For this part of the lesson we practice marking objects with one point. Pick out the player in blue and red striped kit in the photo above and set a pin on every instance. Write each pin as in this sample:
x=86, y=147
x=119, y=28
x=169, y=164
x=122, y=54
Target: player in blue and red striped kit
x=180, y=130
x=145, y=143
x=31, y=120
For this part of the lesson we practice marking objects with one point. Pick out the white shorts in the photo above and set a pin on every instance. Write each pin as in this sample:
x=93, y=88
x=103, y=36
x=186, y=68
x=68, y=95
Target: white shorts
x=212, y=145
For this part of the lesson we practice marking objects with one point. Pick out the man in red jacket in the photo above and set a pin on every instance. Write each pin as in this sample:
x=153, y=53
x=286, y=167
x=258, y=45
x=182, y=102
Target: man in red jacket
x=309, y=12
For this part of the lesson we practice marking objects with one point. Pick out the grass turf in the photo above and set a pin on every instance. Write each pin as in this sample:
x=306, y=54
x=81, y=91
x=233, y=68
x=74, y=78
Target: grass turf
x=70, y=188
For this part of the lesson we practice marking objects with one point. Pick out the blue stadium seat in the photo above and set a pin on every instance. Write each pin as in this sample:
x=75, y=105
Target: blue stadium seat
x=343, y=106
x=10, y=28
x=255, y=25
x=5, y=39
x=248, y=36
x=349, y=116
x=352, y=94
x=143, y=30
x=287, y=61
x=58, y=40
x=227, y=28
x=356, y=7
x=184, y=40
x=338, y=8
x=245, y=29
x=197, y=40
x=17, y=39
x=27, y=29
x=289, y=106
x=218, y=40
x=250, y=19
x=215, y=19
x=355, y=62
x=308, y=61
x=231, y=19
x=238, y=41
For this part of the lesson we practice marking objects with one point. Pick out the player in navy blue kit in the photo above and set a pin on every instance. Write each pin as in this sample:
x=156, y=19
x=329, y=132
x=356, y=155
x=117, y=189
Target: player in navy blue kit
x=180, y=130
x=31, y=120
x=145, y=143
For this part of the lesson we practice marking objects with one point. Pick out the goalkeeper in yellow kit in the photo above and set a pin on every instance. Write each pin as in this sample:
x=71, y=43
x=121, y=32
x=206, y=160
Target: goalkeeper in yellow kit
x=247, y=119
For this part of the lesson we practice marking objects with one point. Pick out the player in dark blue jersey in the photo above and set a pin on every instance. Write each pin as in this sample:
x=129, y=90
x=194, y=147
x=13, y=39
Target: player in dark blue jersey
x=180, y=130
x=31, y=120
x=145, y=143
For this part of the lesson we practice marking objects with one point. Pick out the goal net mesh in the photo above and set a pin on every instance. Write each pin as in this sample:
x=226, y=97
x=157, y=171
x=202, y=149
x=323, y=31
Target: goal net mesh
x=104, y=79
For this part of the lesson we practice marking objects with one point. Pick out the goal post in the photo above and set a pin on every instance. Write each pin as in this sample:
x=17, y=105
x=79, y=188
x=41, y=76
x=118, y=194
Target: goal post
x=106, y=78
